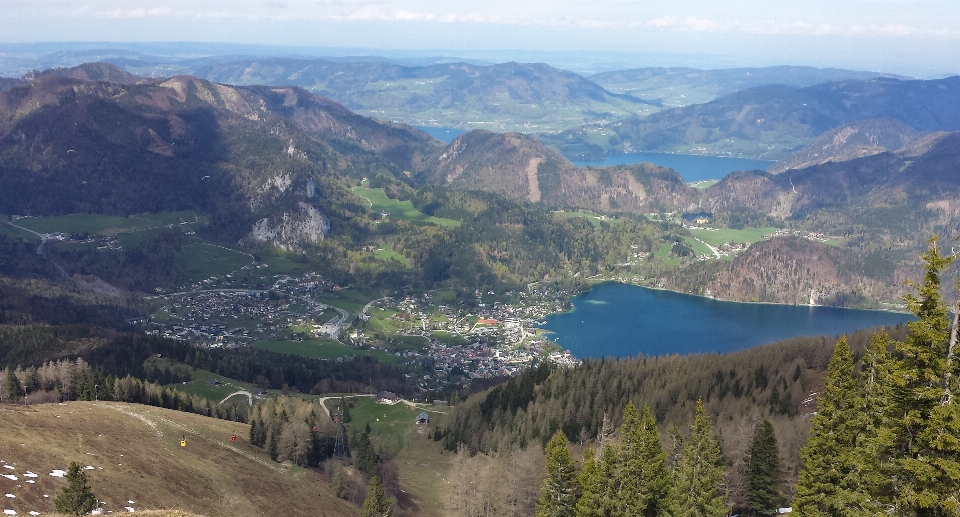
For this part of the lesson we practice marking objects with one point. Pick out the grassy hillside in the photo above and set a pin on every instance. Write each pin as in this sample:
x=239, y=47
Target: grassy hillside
x=138, y=462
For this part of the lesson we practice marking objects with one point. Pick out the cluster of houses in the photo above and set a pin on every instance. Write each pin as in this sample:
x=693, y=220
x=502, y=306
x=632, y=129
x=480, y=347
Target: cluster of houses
x=236, y=316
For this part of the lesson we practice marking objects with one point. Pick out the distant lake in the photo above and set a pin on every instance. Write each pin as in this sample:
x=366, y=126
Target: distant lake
x=691, y=167
x=446, y=134
x=617, y=320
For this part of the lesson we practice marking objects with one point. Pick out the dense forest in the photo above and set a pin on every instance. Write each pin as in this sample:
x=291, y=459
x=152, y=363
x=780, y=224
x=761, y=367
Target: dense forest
x=878, y=407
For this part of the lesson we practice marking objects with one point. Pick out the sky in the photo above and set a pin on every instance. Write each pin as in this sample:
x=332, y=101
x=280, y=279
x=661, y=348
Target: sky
x=921, y=37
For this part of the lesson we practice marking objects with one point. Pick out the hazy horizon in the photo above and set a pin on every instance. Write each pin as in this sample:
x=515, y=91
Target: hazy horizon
x=920, y=38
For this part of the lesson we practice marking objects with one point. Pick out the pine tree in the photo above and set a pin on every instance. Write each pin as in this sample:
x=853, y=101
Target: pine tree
x=920, y=433
x=763, y=470
x=75, y=498
x=832, y=481
x=698, y=484
x=641, y=481
x=12, y=386
x=376, y=504
x=560, y=490
x=596, y=497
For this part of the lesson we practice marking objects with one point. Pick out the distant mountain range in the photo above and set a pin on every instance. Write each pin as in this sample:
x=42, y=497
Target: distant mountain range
x=677, y=87
x=770, y=122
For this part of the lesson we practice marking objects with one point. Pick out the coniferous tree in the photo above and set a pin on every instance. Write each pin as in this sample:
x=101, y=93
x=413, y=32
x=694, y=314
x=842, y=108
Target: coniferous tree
x=921, y=425
x=560, y=489
x=376, y=504
x=698, y=483
x=832, y=481
x=75, y=498
x=12, y=386
x=641, y=481
x=596, y=477
x=763, y=470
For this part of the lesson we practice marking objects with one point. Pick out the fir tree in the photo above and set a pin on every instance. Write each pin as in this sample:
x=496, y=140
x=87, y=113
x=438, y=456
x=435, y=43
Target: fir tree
x=75, y=498
x=699, y=475
x=641, y=481
x=560, y=490
x=12, y=386
x=763, y=470
x=920, y=433
x=832, y=482
x=376, y=504
x=596, y=498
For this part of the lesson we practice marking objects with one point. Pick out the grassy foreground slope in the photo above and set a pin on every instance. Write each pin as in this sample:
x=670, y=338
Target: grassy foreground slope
x=136, y=456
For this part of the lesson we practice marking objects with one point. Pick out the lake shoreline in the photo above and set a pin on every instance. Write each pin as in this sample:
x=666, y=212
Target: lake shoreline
x=681, y=323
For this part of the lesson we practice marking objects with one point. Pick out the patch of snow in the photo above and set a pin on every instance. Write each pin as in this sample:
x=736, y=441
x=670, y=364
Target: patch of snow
x=131, y=502
x=34, y=512
x=30, y=474
x=11, y=496
x=10, y=467
x=57, y=473
x=32, y=482
x=130, y=508
x=11, y=477
x=88, y=467
x=9, y=512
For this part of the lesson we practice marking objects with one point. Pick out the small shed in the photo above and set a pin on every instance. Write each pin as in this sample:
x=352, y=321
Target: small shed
x=423, y=418
x=213, y=382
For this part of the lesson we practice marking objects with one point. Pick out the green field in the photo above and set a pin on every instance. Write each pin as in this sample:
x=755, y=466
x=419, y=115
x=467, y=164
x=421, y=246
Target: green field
x=282, y=265
x=104, y=224
x=317, y=349
x=568, y=215
x=705, y=184
x=718, y=236
x=199, y=385
x=205, y=260
x=403, y=210
x=387, y=254
x=349, y=300
x=389, y=423
x=17, y=232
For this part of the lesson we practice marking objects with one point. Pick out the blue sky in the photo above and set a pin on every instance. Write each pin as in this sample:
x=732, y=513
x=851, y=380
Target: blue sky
x=907, y=36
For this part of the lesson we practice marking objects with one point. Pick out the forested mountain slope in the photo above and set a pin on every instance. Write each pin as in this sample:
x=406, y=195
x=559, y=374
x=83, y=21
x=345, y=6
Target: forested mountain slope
x=519, y=167
x=854, y=140
x=770, y=122
x=678, y=86
x=263, y=163
x=777, y=382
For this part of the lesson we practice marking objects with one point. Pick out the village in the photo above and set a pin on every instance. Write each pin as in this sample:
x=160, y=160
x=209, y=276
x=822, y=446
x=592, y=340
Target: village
x=498, y=335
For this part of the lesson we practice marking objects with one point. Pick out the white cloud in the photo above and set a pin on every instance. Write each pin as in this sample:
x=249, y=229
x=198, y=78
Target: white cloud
x=139, y=12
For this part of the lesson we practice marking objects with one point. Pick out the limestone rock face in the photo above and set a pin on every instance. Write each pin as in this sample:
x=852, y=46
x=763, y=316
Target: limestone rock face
x=291, y=230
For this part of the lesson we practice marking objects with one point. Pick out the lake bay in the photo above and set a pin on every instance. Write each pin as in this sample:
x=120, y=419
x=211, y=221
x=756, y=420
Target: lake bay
x=691, y=167
x=617, y=320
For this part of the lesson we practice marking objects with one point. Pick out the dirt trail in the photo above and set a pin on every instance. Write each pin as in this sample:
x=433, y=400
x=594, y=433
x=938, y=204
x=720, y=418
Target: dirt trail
x=152, y=424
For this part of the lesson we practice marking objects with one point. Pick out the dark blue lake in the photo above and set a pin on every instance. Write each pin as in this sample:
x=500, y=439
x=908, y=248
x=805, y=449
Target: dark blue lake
x=692, y=168
x=446, y=134
x=620, y=320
